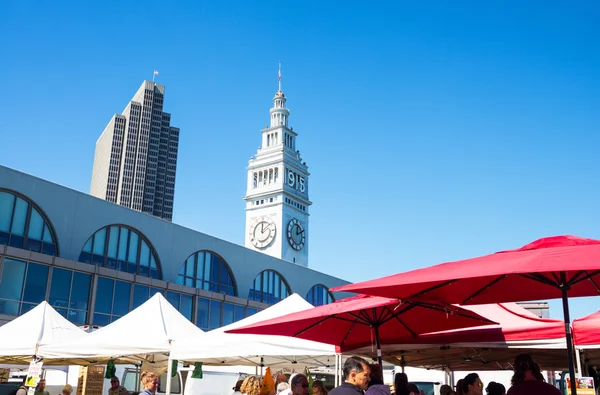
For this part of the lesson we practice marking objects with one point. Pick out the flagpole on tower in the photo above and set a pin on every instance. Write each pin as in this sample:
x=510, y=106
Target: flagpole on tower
x=279, y=76
x=154, y=75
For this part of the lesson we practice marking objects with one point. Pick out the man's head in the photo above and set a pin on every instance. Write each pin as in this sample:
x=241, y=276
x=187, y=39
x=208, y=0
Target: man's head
x=299, y=385
x=445, y=389
x=281, y=378
x=357, y=372
x=114, y=382
x=42, y=384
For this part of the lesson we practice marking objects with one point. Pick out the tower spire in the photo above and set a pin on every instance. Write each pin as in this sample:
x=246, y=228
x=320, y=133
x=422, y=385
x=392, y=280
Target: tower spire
x=279, y=76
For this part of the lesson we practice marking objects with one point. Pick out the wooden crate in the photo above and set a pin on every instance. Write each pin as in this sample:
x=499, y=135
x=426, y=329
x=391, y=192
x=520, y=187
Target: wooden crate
x=91, y=380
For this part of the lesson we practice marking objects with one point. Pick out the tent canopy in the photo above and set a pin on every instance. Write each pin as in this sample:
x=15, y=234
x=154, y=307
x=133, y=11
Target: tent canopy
x=23, y=337
x=219, y=348
x=145, y=333
x=586, y=332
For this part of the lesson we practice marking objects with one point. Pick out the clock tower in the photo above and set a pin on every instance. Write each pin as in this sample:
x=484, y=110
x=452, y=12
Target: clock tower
x=277, y=192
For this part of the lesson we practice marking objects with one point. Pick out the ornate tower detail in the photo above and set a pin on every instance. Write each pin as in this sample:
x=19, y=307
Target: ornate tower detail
x=277, y=191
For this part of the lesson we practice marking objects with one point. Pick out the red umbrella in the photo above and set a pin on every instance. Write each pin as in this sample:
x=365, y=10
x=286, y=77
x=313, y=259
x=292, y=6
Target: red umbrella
x=553, y=267
x=585, y=331
x=354, y=322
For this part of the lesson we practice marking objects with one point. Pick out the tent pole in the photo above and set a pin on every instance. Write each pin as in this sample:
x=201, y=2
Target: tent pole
x=378, y=344
x=169, y=372
x=335, y=381
x=578, y=359
x=569, y=337
x=340, y=370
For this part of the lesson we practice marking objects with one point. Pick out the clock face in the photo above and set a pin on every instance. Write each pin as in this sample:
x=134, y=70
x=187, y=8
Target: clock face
x=296, y=234
x=262, y=232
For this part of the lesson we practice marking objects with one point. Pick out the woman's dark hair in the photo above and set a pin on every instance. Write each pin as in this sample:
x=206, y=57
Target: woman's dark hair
x=524, y=363
x=494, y=388
x=459, y=387
x=469, y=379
x=412, y=388
x=401, y=384
x=376, y=374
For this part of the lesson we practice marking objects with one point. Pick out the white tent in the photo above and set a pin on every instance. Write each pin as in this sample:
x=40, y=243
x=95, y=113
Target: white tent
x=23, y=337
x=220, y=348
x=144, y=334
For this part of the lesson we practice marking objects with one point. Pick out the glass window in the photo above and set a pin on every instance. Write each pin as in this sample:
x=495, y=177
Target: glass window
x=239, y=313
x=60, y=288
x=116, y=247
x=319, y=295
x=227, y=313
x=269, y=287
x=36, y=283
x=208, y=271
x=36, y=225
x=202, y=313
x=140, y=295
x=18, y=216
x=69, y=293
x=104, y=295
x=11, y=286
x=215, y=314
x=121, y=300
x=186, y=306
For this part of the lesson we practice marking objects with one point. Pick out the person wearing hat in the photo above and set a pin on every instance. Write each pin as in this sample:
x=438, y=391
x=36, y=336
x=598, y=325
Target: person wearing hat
x=237, y=387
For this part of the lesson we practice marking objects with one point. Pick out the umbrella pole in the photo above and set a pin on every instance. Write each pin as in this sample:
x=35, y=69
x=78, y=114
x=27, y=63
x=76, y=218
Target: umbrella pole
x=569, y=337
x=378, y=344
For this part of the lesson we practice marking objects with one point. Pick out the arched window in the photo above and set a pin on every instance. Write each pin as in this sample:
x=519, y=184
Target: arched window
x=319, y=295
x=121, y=248
x=206, y=270
x=24, y=225
x=269, y=287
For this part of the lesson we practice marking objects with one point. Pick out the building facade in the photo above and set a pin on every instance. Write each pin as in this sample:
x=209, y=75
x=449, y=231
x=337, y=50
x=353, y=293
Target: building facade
x=136, y=156
x=94, y=261
x=276, y=198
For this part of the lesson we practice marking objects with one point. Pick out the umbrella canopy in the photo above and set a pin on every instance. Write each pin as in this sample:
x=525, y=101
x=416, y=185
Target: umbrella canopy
x=548, y=268
x=21, y=338
x=359, y=321
x=219, y=348
x=145, y=333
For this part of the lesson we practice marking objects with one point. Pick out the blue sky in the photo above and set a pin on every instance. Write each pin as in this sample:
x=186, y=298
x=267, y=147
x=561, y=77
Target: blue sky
x=434, y=131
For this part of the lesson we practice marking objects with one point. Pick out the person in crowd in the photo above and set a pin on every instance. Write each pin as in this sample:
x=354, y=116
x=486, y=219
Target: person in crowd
x=494, y=388
x=413, y=389
x=299, y=385
x=281, y=378
x=250, y=386
x=528, y=379
x=237, y=388
x=445, y=389
x=150, y=383
x=401, y=384
x=472, y=384
x=356, y=377
x=22, y=389
x=67, y=389
x=41, y=388
x=116, y=388
x=282, y=388
x=318, y=388
x=376, y=385
x=459, y=390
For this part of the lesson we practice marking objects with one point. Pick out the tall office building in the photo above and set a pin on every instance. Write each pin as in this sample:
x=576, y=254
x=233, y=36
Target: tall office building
x=136, y=156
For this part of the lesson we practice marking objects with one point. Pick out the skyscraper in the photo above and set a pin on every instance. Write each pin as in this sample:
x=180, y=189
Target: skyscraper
x=136, y=156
